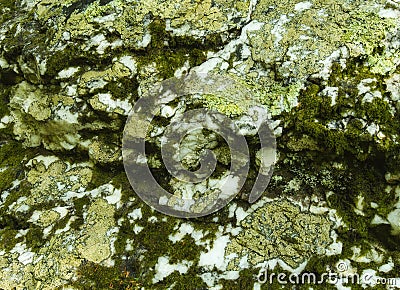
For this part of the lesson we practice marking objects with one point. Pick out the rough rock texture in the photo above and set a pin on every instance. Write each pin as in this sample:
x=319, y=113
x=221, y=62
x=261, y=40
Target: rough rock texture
x=280, y=230
x=70, y=71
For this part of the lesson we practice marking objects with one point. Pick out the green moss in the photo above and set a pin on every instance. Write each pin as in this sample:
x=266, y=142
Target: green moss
x=378, y=111
x=246, y=280
x=318, y=265
x=160, y=231
x=122, y=88
x=145, y=240
x=4, y=99
x=34, y=238
x=22, y=190
x=188, y=250
x=121, y=181
x=11, y=156
x=189, y=281
x=315, y=112
x=101, y=175
x=393, y=158
x=368, y=181
x=153, y=233
x=365, y=158
x=94, y=276
x=72, y=55
x=169, y=57
x=8, y=240
x=7, y=7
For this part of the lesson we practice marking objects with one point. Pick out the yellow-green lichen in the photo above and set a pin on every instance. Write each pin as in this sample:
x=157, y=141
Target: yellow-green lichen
x=384, y=64
x=296, y=42
x=365, y=30
x=102, y=152
x=279, y=229
x=94, y=245
x=131, y=20
x=247, y=93
x=223, y=105
x=54, y=179
x=57, y=264
x=91, y=80
x=42, y=117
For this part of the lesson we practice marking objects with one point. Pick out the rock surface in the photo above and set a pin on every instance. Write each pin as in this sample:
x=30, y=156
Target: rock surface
x=328, y=73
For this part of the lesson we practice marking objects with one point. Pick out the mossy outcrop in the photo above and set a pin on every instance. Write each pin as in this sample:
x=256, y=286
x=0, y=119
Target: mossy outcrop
x=71, y=71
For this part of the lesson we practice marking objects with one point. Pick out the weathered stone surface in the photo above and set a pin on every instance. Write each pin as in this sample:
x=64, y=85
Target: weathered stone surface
x=70, y=72
x=280, y=230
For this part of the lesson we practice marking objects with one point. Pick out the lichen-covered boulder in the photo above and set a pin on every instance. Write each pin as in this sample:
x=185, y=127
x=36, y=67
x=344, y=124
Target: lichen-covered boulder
x=71, y=72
